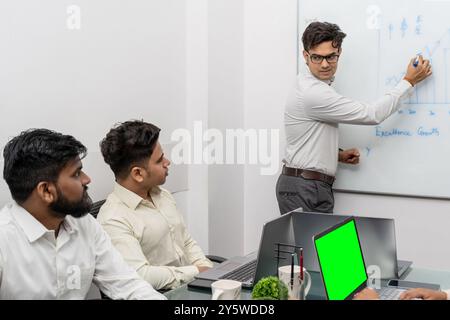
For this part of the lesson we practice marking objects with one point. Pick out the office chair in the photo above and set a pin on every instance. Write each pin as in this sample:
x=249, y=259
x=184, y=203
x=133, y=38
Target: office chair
x=94, y=212
x=96, y=208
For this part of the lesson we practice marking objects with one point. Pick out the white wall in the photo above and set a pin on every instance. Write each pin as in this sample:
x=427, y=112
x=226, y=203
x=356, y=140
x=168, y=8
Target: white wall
x=270, y=71
x=252, y=64
x=140, y=60
x=197, y=216
x=127, y=61
x=226, y=182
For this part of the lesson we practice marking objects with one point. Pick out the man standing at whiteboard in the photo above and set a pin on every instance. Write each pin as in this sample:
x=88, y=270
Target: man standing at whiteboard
x=312, y=116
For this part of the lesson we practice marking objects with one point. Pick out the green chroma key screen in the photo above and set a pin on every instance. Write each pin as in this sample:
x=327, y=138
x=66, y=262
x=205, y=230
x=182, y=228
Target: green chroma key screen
x=341, y=261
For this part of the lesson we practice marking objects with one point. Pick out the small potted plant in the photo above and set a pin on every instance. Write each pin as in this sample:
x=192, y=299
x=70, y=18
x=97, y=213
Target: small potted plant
x=270, y=288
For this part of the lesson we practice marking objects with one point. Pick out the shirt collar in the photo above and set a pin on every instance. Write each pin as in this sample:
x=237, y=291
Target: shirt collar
x=131, y=199
x=69, y=225
x=309, y=74
x=32, y=228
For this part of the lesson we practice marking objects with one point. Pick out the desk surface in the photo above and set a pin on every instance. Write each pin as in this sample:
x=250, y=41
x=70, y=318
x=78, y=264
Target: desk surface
x=317, y=292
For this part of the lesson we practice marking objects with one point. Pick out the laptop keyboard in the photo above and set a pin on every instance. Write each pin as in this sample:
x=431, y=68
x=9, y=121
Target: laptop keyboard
x=245, y=273
x=390, y=293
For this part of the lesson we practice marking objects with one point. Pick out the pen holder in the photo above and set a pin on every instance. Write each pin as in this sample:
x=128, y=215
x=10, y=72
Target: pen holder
x=297, y=289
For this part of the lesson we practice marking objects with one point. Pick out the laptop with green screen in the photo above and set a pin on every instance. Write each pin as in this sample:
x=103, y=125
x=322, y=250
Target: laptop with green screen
x=342, y=264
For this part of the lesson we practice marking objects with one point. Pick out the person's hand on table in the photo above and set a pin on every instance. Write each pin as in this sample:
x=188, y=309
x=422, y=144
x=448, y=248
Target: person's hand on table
x=366, y=294
x=425, y=294
x=201, y=269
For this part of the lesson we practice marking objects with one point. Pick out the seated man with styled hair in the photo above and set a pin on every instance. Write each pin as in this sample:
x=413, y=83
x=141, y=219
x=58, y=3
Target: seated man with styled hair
x=141, y=217
x=50, y=248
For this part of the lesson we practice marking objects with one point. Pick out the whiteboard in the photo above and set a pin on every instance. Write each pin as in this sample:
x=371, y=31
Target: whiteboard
x=409, y=153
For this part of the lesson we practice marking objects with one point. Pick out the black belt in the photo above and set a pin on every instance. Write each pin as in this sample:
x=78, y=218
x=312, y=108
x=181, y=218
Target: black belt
x=308, y=174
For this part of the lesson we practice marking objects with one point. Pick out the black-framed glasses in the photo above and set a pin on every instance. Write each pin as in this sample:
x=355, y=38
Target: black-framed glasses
x=318, y=59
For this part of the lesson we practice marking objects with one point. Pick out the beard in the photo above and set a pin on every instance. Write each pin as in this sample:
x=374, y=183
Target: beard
x=63, y=207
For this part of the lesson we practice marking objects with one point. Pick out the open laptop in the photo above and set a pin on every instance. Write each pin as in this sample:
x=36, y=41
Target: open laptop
x=378, y=239
x=251, y=268
x=342, y=265
x=377, y=236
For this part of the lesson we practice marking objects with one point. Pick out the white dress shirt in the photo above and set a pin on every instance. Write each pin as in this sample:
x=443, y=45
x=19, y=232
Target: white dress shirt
x=36, y=265
x=152, y=237
x=312, y=114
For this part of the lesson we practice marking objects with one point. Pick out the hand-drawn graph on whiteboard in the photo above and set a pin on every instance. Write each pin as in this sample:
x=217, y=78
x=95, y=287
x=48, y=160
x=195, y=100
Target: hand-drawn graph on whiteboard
x=409, y=153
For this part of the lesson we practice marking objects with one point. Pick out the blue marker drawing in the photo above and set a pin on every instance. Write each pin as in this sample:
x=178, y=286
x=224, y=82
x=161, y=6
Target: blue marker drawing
x=432, y=51
x=433, y=79
x=368, y=151
x=404, y=27
x=446, y=74
x=379, y=132
x=427, y=133
x=394, y=79
x=430, y=93
x=435, y=91
x=391, y=30
x=419, y=25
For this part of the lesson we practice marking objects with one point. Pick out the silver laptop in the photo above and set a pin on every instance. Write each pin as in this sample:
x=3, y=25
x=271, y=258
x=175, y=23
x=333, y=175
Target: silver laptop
x=341, y=262
x=298, y=228
x=377, y=236
x=249, y=269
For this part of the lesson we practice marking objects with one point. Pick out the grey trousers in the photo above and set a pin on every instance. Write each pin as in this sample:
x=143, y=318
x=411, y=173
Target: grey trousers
x=310, y=195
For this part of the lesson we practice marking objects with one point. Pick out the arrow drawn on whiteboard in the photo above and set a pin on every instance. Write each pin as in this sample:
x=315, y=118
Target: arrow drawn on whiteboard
x=404, y=27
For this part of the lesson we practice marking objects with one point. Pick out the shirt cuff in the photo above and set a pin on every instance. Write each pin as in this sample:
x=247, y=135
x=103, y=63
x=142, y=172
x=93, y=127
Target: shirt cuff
x=404, y=84
x=404, y=87
x=204, y=263
x=189, y=272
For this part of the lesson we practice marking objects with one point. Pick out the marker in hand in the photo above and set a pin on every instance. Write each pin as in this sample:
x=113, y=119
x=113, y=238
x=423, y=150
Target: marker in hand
x=416, y=62
x=418, y=70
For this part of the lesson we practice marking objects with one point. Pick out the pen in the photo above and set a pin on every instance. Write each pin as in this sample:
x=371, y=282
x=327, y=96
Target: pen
x=301, y=264
x=292, y=271
x=416, y=62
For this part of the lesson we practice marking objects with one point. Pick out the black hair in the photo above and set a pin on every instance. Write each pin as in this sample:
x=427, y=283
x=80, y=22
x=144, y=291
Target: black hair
x=127, y=144
x=37, y=155
x=319, y=32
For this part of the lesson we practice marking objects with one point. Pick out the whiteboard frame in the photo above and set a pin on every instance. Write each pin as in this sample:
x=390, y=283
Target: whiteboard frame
x=387, y=194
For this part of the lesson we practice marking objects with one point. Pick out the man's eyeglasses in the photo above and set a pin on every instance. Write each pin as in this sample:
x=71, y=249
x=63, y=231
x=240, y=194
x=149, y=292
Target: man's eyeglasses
x=318, y=59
